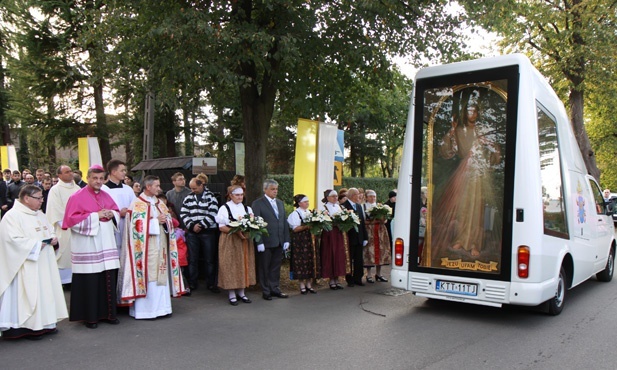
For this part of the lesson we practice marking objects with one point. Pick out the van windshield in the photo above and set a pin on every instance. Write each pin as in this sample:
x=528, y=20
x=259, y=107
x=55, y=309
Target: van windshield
x=463, y=161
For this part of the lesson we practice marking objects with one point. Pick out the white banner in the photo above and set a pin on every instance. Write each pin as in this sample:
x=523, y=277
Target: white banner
x=326, y=146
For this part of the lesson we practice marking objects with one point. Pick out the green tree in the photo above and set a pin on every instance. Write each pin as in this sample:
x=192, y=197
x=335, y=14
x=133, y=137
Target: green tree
x=570, y=41
x=374, y=124
x=601, y=114
x=56, y=69
x=293, y=51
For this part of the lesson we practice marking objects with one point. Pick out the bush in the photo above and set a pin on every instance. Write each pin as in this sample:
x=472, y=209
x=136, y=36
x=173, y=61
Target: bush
x=382, y=187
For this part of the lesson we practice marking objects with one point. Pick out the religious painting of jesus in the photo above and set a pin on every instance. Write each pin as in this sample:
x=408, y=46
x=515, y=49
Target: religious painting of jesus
x=464, y=169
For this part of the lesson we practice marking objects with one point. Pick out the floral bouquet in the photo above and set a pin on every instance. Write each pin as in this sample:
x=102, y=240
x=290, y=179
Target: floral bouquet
x=255, y=226
x=381, y=212
x=346, y=220
x=317, y=221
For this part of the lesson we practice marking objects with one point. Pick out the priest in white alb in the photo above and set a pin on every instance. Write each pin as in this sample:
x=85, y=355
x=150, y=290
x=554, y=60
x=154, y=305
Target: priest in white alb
x=121, y=193
x=57, y=199
x=31, y=297
x=150, y=272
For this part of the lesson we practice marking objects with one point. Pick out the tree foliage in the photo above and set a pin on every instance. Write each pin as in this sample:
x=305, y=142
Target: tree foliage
x=572, y=42
x=275, y=53
x=221, y=70
x=56, y=74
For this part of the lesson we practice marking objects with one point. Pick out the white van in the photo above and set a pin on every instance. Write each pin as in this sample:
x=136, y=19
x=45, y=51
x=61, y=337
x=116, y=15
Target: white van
x=495, y=205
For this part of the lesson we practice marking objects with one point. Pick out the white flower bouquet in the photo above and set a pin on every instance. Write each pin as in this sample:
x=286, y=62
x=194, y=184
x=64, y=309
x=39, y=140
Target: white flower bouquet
x=346, y=220
x=381, y=212
x=317, y=221
x=255, y=226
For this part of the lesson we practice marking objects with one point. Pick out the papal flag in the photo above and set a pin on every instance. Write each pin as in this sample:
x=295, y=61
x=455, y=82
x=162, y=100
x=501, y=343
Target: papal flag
x=314, y=163
x=89, y=153
x=8, y=157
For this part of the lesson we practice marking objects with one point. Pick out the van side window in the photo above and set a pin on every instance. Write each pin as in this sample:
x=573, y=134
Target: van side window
x=551, y=176
x=598, y=198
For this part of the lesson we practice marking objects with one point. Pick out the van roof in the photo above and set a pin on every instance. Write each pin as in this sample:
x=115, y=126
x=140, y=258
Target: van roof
x=475, y=65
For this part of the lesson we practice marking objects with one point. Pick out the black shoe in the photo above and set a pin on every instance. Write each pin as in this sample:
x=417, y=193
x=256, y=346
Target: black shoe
x=245, y=299
x=351, y=285
x=233, y=301
x=267, y=297
x=359, y=283
x=91, y=325
x=187, y=293
x=339, y=286
x=214, y=289
x=280, y=295
x=370, y=280
x=381, y=279
x=112, y=321
x=303, y=291
x=333, y=287
x=311, y=290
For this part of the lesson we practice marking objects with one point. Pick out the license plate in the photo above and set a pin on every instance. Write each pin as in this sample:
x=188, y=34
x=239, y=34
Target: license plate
x=457, y=288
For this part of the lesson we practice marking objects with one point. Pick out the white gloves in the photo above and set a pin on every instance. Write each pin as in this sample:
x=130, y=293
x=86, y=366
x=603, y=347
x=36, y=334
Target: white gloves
x=364, y=243
x=285, y=246
x=261, y=248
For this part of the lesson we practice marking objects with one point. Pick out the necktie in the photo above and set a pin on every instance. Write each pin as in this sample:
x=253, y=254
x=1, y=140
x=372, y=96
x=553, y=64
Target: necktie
x=354, y=207
x=276, y=210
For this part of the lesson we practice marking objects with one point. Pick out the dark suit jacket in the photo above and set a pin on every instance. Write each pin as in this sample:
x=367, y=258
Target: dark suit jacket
x=356, y=237
x=3, y=193
x=277, y=228
x=13, y=192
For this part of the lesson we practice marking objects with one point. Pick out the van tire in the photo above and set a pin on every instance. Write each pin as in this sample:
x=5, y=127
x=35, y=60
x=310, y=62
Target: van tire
x=606, y=275
x=555, y=304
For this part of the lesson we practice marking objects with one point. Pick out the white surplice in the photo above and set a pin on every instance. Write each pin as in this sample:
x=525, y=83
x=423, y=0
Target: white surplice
x=56, y=204
x=31, y=294
x=123, y=197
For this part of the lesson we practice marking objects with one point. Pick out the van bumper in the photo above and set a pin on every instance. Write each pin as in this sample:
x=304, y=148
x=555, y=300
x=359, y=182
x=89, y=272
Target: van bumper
x=532, y=294
x=490, y=292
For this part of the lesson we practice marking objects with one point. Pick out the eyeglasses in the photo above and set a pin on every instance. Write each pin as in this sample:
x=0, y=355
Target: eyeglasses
x=37, y=198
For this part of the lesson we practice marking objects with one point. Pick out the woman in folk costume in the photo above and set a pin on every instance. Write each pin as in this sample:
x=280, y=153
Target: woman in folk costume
x=333, y=249
x=236, y=251
x=31, y=297
x=150, y=270
x=377, y=251
x=305, y=264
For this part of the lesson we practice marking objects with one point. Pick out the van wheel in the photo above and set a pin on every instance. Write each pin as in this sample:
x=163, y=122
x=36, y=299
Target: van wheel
x=555, y=304
x=607, y=274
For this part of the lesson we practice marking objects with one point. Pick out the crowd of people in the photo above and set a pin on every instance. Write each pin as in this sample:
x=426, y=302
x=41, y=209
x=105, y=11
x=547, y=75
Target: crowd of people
x=116, y=242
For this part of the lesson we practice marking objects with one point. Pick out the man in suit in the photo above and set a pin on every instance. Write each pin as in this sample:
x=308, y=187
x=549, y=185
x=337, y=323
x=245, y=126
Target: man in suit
x=357, y=239
x=3, y=198
x=270, y=248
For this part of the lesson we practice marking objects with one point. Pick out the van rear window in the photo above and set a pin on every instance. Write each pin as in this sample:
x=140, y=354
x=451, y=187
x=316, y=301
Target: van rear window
x=463, y=161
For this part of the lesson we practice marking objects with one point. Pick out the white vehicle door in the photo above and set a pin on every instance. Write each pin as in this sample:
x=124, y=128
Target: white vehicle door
x=601, y=223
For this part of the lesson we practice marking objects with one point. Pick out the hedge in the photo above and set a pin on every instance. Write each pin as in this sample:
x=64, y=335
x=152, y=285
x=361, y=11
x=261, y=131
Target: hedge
x=382, y=187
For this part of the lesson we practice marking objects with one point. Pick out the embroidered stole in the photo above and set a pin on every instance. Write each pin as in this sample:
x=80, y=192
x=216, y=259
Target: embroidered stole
x=134, y=271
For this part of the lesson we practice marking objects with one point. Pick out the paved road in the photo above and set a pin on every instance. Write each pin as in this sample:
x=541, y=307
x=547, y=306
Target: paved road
x=372, y=327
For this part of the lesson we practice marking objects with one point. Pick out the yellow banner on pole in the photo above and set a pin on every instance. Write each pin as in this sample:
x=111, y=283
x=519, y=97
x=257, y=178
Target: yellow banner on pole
x=305, y=167
x=8, y=157
x=89, y=153
x=4, y=156
x=84, y=155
